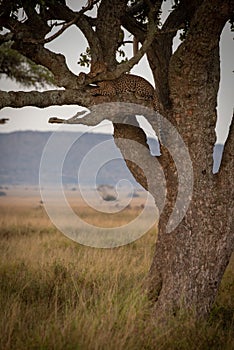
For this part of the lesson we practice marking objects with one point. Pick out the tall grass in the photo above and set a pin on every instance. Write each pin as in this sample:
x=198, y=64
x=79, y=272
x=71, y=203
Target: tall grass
x=57, y=294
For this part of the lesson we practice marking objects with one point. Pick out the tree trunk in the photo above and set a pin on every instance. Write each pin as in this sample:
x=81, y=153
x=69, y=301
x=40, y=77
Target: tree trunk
x=190, y=261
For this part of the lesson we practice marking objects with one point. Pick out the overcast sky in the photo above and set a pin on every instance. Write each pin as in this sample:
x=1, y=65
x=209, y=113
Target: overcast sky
x=72, y=43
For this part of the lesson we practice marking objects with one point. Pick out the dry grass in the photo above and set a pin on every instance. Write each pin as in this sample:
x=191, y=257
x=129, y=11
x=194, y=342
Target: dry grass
x=57, y=294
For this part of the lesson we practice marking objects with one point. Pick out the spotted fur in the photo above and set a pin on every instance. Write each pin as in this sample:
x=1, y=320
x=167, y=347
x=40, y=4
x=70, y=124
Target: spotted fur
x=127, y=83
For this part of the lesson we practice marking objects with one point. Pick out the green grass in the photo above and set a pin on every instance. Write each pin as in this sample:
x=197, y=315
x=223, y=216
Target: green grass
x=57, y=294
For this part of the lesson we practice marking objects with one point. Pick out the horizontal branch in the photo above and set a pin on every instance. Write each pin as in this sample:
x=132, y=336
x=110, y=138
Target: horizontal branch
x=84, y=98
x=44, y=99
x=115, y=111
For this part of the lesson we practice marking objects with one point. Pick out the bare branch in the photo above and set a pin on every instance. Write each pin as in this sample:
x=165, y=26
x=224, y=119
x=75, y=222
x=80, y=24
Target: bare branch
x=44, y=99
x=115, y=111
x=84, y=23
x=52, y=37
x=89, y=6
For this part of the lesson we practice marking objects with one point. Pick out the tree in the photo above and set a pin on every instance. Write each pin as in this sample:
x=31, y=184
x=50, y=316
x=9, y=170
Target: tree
x=189, y=262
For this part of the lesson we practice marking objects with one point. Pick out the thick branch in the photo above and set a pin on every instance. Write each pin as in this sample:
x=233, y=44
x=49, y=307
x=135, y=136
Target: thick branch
x=183, y=12
x=55, y=62
x=108, y=28
x=44, y=99
x=205, y=32
x=134, y=27
x=146, y=171
x=159, y=54
x=80, y=97
x=128, y=65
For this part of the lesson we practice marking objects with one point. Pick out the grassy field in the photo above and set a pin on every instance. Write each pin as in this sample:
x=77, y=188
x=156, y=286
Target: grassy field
x=57, y=294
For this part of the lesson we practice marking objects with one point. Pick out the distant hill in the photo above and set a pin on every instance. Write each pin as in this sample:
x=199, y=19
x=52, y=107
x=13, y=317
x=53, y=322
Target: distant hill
x=21, y=152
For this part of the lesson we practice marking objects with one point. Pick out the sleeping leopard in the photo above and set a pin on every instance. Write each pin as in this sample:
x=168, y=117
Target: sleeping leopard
x=127, y=83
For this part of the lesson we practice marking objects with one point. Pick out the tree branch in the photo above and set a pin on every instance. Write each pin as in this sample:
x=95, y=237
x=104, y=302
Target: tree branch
x=184, y=11
x=75, y=20
x=84, y=23
x=76, y=97
x=134, y=27
x=126, y=128
x=56, y=63
x=128, y=65
x=44, y=99
x=160, y=52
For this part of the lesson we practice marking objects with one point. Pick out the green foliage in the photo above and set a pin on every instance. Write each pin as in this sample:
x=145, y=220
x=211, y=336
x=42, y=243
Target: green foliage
x=22, y=70
x=85, y=58
x=141, y=15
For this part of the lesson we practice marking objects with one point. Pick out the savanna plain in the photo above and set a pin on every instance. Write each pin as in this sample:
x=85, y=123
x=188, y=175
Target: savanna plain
x=58, y=294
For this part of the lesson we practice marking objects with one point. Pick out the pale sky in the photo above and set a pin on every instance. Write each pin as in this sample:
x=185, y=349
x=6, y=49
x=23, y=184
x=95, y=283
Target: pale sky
x=72, y=43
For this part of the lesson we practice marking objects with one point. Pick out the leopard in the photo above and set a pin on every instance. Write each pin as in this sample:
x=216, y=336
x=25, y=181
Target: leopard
x=97, y=68
x=127, y=83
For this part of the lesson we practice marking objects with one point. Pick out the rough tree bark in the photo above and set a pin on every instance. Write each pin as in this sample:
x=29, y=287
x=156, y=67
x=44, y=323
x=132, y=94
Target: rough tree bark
x=189, y=262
